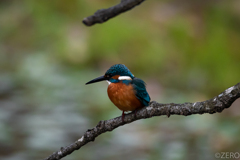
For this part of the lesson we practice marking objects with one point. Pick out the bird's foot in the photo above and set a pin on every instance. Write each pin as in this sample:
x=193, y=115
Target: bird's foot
x=123, y=115
x=135, y=112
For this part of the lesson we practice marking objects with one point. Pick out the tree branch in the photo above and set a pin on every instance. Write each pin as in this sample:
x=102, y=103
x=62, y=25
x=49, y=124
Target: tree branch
x=103, y=15
x=216, y=104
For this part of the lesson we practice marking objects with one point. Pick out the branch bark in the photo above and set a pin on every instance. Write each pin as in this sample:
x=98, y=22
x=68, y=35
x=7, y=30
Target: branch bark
x=216, y=104
x=103, y=15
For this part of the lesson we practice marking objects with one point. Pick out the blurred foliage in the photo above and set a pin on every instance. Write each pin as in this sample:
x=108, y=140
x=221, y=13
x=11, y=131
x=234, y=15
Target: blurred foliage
x=185, y=50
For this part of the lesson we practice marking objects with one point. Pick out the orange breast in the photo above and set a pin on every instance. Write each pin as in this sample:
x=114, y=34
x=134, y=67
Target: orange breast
x=123, y=96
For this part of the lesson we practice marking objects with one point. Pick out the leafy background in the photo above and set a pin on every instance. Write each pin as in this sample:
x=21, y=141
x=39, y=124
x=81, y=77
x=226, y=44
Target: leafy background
x=185, y=50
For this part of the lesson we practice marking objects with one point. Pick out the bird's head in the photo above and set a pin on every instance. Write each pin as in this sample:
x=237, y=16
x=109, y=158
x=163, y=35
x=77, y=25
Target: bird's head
x=115, y=74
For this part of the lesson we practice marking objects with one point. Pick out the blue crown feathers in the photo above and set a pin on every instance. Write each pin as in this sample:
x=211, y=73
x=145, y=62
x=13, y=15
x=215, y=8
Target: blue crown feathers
x=119, y=69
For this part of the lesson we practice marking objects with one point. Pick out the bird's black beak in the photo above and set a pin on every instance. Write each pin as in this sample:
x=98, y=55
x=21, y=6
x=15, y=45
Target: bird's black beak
x=98, y=79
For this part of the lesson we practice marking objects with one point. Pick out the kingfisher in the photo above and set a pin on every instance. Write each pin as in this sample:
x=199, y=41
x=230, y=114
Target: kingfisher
x=125, y=91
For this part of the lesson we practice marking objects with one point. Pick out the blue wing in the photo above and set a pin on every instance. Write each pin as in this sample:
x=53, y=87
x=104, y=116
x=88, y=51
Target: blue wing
x=141, y=92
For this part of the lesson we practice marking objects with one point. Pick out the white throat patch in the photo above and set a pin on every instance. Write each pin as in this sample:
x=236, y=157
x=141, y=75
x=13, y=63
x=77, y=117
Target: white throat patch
x=108, y=82
x=124, y=78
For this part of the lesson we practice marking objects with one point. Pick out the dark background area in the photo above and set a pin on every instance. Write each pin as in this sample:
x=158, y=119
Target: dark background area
x=185, y=50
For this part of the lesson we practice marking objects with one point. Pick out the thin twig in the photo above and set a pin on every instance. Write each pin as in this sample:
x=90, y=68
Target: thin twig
x=216, y=104
x=103, y=15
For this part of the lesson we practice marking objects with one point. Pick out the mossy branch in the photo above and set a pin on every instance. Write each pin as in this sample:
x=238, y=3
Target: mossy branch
x=216, y=104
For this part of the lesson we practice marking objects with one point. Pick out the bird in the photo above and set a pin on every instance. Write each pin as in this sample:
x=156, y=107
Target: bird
x=125, y=91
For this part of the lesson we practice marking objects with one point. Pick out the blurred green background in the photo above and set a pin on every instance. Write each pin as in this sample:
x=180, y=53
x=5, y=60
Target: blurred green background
x=185, y=50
